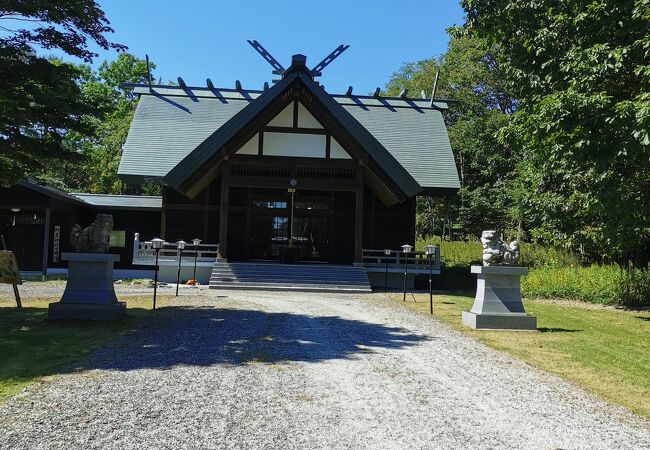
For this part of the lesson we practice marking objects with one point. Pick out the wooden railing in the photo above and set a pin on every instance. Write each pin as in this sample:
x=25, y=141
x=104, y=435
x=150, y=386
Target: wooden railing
x=144, y=254
x=417, y=262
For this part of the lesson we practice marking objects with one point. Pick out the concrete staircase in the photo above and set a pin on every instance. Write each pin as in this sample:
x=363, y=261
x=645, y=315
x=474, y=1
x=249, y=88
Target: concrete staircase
x=289, y=277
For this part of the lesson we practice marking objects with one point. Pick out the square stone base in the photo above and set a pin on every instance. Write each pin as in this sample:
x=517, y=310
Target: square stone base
x=86, y=311
x=500, y=321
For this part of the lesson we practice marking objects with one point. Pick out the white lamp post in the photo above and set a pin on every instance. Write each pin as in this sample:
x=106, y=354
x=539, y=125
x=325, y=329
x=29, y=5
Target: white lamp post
x=406, y=249
x=430, y=251
x=180, y=245
x=196, y=242
x=157, y=244
x=387, y=253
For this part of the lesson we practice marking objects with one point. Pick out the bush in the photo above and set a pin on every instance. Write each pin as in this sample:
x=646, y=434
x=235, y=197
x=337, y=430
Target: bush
x=634, y=288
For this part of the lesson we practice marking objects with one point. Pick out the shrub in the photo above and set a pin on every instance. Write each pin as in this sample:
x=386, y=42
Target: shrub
x=634, y=288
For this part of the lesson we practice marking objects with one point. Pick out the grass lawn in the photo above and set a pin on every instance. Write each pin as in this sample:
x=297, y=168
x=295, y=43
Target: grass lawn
x=32, y=347
x=603, y=349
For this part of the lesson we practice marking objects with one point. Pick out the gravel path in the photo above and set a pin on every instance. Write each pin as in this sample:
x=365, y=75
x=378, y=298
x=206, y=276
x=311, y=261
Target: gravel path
x=263, y=370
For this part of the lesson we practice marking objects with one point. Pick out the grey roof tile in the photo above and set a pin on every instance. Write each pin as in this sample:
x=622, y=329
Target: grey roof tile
x=166, y=128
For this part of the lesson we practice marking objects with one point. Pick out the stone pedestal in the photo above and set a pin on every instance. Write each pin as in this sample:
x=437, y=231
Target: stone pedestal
x=498, y=305
x=89, y=293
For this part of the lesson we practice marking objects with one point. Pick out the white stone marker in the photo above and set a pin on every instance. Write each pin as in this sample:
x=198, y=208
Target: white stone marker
x=498, y=305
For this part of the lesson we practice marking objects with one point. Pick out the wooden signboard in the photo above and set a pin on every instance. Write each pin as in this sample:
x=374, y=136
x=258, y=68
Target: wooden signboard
x=9, y=272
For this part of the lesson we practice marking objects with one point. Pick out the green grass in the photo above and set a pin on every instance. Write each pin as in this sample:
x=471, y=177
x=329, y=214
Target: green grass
x=603, y=349
x=31, y=347
x=596, y=284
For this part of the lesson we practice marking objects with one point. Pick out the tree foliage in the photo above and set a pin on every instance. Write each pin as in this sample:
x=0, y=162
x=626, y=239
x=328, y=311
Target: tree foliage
x=471, y=75
x=102, y=148
x=581, y=70
x=40, y=98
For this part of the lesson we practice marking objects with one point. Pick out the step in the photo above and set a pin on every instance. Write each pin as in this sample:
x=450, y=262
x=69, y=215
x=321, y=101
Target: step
x=289, y=287
x=288, y=277
x=288, y=281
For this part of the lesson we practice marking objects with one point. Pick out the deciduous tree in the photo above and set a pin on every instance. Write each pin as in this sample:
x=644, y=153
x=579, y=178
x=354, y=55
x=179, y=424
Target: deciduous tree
x=40, y=98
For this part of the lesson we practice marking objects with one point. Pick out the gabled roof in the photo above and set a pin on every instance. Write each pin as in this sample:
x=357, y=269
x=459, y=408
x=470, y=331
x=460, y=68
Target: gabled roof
x=297, y=83
x=176, y=129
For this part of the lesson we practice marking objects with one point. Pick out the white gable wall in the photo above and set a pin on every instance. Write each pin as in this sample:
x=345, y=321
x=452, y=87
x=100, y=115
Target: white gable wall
x=306, y=120
x=337, y=151
x=298, y=145
x=284, y=119
x=294, y=144
x=251, y=147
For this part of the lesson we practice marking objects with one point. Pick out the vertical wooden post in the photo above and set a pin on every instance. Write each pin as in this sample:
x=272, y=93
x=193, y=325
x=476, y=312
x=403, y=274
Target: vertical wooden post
x=46, y=240
x=206, y=213
x=163, y=213
x=358, y=219
x=223, y=210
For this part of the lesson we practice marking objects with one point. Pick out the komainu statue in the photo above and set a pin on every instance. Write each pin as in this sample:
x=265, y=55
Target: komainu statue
x=94, y=238
x=496, y=252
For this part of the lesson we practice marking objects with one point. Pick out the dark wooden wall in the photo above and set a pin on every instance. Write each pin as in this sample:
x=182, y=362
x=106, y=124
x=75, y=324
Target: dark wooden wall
x=384, y=227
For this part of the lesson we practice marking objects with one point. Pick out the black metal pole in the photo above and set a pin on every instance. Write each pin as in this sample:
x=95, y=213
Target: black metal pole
x=386, y=276
x=406, y=262
x=155, y=281
x=430, y=289
x=196, y=253
x=178, y=274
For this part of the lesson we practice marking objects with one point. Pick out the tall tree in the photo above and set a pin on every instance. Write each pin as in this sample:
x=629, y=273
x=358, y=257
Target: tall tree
x=582, y=72
x=102, y=148
x=471, y=75
x=40, y=99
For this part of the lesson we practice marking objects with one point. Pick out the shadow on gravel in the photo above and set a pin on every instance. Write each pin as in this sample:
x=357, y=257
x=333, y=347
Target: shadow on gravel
x=207, y=336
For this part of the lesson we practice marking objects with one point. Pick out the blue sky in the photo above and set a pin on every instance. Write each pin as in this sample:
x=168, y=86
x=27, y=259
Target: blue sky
x=196, y=39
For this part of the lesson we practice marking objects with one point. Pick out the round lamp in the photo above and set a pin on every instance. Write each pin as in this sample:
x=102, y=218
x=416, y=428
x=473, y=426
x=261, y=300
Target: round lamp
x=181, y=245
x=196, y=241
x=157, y=243
x=430, y=249
x=407, y=248
x=387, y=251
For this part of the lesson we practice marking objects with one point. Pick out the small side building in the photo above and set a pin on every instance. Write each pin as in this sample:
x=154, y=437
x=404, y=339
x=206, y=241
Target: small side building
x=36, y=221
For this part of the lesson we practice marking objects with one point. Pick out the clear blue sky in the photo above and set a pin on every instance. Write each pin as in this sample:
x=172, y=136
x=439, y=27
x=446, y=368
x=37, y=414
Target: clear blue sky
x=197, y=39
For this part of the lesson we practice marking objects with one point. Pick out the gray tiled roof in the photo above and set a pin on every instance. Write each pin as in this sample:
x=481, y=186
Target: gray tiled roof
x=121, y=201
x=172, y=122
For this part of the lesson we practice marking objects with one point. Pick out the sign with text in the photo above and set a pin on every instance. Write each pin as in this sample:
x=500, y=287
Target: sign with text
x=9, y=272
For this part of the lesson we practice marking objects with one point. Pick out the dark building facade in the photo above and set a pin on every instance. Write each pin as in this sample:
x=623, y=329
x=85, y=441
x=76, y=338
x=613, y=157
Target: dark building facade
x=36, y=221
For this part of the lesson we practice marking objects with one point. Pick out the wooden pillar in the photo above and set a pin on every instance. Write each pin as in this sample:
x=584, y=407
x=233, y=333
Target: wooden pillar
x=223, y=210
x=163, y=213
x=46, y=240
x=206, y=213
x=358, y=219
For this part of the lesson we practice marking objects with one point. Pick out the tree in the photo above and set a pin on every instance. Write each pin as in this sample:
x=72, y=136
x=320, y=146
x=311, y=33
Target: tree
x=581, y=70
x=40, y=99
x=103, y=147
x=471, y=75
